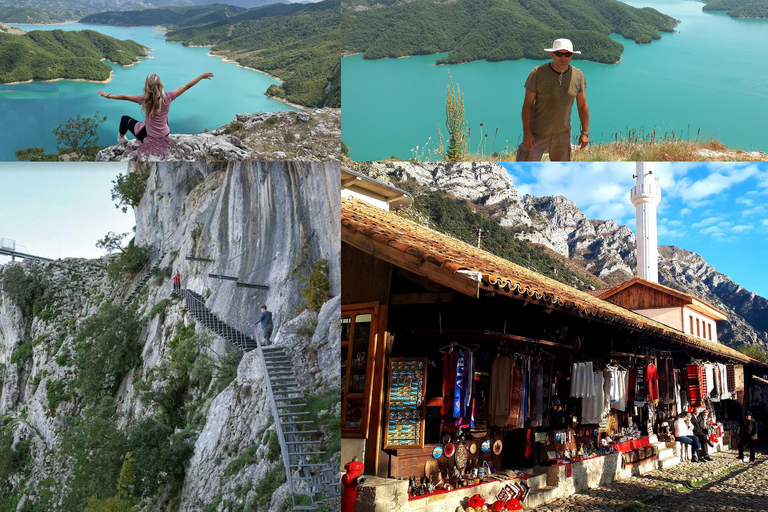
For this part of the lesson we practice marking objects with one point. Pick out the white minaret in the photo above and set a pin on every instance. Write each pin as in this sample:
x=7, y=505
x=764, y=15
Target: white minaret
x=646, y=196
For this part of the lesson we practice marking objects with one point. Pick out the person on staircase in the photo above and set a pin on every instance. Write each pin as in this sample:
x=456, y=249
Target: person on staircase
x=684, y=435
x=177, y=283
x=265, y=319
x=700, y=431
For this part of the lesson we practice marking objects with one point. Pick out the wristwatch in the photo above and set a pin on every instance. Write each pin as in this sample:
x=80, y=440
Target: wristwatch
x=585, y=132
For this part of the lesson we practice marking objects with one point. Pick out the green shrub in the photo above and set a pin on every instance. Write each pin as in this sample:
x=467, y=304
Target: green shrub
x=129, y=262
x=113, y=504
x=13, y=460
x=56, y=392
x=22, y=354
x=317, y=286
x=107, y=347
x=158, y=456
x=245, y=459
x=23, y=288
x=129, y=188
x=186, y=368
x=95, y=448
x=266, y=487
x=159, y=309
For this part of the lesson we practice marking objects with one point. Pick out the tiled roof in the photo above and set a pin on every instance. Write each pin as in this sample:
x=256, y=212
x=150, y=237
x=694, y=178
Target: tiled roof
x=501, y=276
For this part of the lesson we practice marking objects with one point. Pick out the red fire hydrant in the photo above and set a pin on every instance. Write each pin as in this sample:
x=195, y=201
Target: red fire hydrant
x=349, y=482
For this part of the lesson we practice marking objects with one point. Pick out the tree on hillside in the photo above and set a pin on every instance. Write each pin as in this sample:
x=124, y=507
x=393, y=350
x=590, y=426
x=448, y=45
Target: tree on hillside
x=79, y=136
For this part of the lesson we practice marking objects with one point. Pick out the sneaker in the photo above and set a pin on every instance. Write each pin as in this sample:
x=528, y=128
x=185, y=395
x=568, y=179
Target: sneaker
x=708, y=458
x=122, y=139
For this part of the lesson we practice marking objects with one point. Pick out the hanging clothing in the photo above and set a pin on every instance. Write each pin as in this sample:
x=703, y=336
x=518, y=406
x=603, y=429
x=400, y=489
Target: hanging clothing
x=582, y=380
x=501, y=372
x=640, y=390
x=592, y=408
x=619, y=389
x=537, y=395
x=516, y=393
x=694, y=389
x=738, y=377
x=652, y=379
x=458, y=374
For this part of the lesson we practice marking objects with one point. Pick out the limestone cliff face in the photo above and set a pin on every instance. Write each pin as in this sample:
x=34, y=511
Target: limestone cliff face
x=604, y=248
x=264, y=223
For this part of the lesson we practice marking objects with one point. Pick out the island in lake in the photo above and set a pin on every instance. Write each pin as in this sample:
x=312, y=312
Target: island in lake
x=495, y=30
x=739, y=8
x=59, y=54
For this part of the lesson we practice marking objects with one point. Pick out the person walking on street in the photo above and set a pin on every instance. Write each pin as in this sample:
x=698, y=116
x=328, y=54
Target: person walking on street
x=748, y=437
x=549, y=93
x=684, y=435
x=265, y=319
x=177, y=283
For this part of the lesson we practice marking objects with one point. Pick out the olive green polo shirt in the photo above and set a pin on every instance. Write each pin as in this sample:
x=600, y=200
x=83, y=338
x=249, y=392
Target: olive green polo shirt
x=554, y=98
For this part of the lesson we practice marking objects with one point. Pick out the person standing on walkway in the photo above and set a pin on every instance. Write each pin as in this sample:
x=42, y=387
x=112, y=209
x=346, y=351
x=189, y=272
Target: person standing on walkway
x=177, y=283
x=549, y=93
x=748, y=437
x=265, y=319
x=700, y=431
x=684, y=435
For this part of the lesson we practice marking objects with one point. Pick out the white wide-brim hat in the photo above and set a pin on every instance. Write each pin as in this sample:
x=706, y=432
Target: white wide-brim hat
x=561, y=45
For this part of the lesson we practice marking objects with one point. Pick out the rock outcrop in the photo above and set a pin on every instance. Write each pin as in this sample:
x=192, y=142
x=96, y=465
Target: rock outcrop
x=603, y=247
x=311, y=135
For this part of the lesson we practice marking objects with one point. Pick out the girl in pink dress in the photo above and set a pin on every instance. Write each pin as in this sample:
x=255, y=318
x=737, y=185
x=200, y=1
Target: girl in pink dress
x=153, y=132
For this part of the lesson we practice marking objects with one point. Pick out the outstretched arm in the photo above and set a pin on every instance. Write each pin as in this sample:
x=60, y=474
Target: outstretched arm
x=123, y=97
x=181, y=90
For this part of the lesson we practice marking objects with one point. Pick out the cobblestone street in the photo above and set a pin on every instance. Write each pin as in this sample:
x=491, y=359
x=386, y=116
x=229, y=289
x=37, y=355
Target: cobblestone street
x=723, y=484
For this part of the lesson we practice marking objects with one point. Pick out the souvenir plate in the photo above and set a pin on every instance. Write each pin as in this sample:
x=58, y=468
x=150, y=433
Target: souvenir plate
x=437, y=451
x=497, y=447
x=473, y=448
x=485, y=446
x=450, y=449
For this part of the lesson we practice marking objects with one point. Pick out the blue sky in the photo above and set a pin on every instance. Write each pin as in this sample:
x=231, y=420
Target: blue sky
x=718, y=210
x=59, y=210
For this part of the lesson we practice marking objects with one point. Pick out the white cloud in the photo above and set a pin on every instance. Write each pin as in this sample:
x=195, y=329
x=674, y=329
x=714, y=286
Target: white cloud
x=685, y=211
x=670, y=234
x=740, y=228
x=745, y=201
x=600, y=189
x=721, y=179
x=706, y=222
x=675, y=223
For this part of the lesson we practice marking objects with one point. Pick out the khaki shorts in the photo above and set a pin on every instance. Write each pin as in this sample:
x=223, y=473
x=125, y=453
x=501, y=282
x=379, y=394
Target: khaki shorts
x=559, y=146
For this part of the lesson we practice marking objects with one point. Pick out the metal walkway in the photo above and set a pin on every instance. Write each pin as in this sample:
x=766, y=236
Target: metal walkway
x=308, y=481
x=15, y=254
x=146, y=271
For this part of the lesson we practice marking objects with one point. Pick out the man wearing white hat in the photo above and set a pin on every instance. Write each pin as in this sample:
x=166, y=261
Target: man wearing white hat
x=549, y=93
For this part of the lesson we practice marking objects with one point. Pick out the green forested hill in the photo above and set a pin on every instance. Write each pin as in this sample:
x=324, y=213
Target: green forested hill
x=17, y=14
x=739, y=8
x=175, y=16
x=298, y=43
x=47, y=55
x=497, y=29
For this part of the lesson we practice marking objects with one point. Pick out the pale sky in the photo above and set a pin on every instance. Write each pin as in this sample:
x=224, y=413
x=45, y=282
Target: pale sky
x=59, y=209
x=718, y=210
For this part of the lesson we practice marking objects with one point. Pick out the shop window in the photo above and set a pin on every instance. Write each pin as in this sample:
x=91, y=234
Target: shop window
x=709, y=328
x=358, y=333
x=691, y=318
x=698, y=330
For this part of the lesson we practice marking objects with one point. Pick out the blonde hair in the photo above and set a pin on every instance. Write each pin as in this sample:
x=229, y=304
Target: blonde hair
x=153, y=95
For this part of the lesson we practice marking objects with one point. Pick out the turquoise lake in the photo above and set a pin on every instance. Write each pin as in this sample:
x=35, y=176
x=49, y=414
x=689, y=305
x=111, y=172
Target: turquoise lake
x=709, y=77
x=30, y=111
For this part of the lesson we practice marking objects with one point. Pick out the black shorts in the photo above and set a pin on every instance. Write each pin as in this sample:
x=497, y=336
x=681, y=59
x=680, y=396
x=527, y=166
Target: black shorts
x=128, y=123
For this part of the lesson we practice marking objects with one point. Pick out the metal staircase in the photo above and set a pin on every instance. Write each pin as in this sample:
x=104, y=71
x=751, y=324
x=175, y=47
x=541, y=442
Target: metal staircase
x=147, y=275
x=297, y=436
